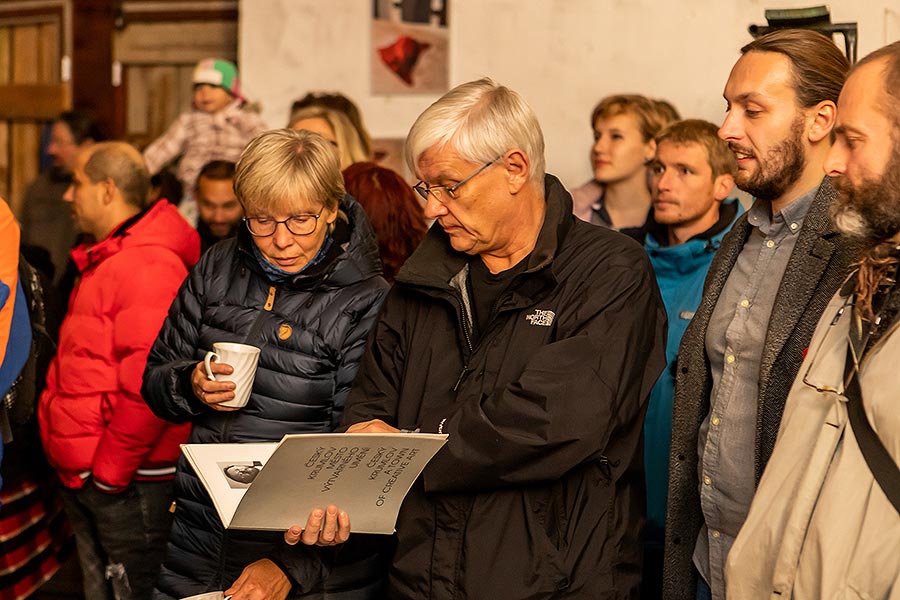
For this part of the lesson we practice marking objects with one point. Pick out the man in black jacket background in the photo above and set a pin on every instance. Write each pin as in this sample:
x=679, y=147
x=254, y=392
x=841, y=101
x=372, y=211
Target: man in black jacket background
x=533, y=340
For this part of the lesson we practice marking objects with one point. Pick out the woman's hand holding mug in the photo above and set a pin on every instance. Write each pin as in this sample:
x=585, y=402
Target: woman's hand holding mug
x=212, y=392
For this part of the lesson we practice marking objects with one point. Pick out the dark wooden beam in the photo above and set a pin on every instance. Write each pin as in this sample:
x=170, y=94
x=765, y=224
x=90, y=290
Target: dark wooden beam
x=33, y=101
x=93, y=23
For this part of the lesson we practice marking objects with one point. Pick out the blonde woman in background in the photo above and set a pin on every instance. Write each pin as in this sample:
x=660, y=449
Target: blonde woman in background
x=618, y=196
x=335, y=127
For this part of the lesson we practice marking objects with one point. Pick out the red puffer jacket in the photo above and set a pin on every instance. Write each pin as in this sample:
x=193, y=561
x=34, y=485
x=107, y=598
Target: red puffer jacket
x=93, y=420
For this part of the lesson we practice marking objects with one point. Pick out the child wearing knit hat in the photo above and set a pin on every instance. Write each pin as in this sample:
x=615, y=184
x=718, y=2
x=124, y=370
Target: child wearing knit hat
x=218, y=128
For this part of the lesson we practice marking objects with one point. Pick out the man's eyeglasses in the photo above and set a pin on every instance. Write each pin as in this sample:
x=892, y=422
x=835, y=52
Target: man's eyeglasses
x=423, y=189
x=296, y=225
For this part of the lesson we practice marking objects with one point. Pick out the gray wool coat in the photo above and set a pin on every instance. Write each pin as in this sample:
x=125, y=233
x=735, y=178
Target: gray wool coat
x=818, y=265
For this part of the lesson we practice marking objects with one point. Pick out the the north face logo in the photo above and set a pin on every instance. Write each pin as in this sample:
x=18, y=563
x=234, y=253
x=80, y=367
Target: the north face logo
x=544, y=318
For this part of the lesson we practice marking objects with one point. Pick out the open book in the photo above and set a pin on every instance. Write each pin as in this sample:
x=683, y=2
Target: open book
x=275, y=485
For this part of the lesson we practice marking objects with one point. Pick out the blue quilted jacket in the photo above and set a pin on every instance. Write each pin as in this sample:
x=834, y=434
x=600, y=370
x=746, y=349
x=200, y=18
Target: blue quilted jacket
x=312, y=331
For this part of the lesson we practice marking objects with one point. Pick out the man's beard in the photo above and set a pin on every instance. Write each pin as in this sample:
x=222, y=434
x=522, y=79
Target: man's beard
x=870, y=211
x=788, y=159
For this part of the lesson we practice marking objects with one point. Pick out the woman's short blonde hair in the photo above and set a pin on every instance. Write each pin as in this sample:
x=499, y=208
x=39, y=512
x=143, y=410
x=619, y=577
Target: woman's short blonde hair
x=651, y=115
x=480, y=120
x=349, y=144
x=288, y=170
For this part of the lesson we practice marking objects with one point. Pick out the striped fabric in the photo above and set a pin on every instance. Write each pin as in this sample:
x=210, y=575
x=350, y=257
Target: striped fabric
x=35, y=537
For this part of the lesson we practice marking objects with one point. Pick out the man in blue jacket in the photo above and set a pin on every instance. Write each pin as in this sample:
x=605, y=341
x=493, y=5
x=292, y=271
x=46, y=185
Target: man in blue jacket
x=691, y=177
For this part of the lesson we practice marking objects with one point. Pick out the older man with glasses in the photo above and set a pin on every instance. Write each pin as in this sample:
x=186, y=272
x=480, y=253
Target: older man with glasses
x=533, y=340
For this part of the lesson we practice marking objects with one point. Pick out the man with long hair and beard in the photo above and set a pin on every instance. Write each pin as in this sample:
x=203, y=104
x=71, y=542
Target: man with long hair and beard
x=824, y=523
x=771, y=278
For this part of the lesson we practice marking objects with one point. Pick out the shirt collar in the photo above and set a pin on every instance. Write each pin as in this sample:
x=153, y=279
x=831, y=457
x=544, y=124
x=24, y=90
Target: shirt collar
x=791, y=216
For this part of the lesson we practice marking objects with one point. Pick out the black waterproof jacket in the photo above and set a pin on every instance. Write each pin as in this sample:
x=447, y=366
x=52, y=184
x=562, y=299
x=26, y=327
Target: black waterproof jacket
x=311, y=331
x=539, y=491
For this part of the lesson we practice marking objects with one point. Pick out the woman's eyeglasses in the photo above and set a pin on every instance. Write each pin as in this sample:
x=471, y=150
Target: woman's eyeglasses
x=296, y=225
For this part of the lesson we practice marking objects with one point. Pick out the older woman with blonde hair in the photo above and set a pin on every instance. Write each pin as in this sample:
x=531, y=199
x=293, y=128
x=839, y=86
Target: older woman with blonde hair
x=335, y=127
x=302, y=282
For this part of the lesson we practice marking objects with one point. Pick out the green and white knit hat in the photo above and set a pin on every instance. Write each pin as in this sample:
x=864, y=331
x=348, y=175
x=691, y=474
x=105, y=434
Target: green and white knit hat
x=218, y=72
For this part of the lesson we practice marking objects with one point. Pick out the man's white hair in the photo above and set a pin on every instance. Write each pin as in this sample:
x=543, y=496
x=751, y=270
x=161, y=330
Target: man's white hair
x=480, y=120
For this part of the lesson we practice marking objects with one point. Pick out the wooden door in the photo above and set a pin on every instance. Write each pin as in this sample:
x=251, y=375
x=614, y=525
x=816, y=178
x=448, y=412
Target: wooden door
x=35, y=72
x=156, y=49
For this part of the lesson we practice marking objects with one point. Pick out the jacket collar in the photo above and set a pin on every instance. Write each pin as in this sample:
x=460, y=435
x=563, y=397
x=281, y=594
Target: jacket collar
x=816, y=242
x=352, y=257
x=658, y=234
x=435, y=263
x=696, y=253
x=87, y=256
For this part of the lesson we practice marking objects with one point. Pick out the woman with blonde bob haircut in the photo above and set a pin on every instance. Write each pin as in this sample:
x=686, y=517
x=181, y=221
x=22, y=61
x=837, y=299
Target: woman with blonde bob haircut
x=481, y=121
x=302, y=282
x=285, y=170
x=335, y=127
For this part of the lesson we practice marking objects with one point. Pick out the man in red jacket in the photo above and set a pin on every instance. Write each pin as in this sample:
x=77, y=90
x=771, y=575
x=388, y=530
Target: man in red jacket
x=116, y=460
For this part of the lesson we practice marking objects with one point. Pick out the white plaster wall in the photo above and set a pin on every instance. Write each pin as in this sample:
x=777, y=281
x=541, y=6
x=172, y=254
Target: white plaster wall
x=562, y=55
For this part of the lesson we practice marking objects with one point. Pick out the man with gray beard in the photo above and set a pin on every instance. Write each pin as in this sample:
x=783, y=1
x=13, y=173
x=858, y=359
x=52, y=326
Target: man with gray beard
x=823, y=523
x=766, y=288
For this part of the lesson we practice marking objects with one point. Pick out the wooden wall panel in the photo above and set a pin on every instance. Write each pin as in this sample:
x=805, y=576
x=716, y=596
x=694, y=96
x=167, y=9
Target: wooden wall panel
x=136, y=117
x=4, y=167
x=175, y=43
x=159, y=59
x=161, y=96
x=5, y=75
x=49, y=53
x=25, y=142
x=35, y=102
x=31, y=93
x=5, y=54
x=185, y=88
x=25, y=61
x=156, y=94
x=31, y=56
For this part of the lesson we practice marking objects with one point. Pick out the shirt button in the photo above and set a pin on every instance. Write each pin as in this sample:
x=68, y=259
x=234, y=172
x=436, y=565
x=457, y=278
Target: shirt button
x=745, y=303
x=716, y=533
x=707, y=480
x=794, y=226
x=715, y=421
x=730, y=359
x=770, y=244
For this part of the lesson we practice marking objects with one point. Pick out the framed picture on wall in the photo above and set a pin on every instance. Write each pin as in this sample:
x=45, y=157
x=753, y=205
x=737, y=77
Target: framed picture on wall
x=409, y=47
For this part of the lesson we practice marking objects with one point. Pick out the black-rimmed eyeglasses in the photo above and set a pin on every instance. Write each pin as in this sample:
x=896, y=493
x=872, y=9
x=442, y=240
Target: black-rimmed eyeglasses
x=296, y=225
x=423, y=189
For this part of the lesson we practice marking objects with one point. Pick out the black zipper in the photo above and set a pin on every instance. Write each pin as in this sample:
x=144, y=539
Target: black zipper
x=468, y=337
x=606, y=466
x=251, y=333
x=495, y=312
x=257, y=323
x=229, y=418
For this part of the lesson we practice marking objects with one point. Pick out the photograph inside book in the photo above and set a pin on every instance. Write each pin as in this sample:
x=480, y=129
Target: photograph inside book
x=272, y=486
x=213, y=462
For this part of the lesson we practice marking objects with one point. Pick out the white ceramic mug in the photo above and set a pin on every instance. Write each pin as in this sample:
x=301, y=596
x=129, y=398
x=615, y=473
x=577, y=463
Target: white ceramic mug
x=243, y=359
